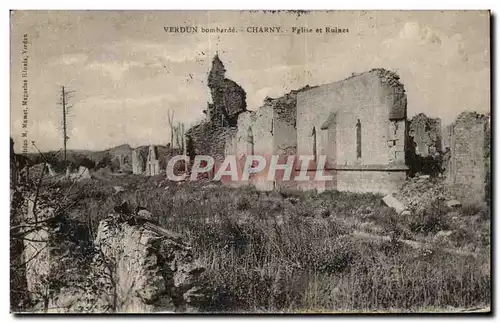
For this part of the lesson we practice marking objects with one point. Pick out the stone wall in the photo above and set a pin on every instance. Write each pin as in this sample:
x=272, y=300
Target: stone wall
x=425, y=146
x=426, y=135
x=209, y=139
x=358, y=180
x=271, y=130
x=152, y=163
x=447, y=132
x=137, y=162
x=252, y=136
x=357, y=123
x=338, y=106
x=313, y=184
x=467, y=168
x=382, y=182
x=285, y=122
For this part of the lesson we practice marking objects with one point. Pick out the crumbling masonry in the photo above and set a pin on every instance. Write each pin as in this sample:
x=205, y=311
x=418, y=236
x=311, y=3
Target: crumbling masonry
x=152, y=163
x=229, y=101
x=468, y=163
x=426, y=134
x=271, y=130
x=359, y=124
x=425, y=146
x=137, y=162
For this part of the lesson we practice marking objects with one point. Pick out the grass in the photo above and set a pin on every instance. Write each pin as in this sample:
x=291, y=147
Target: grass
x=293, y=251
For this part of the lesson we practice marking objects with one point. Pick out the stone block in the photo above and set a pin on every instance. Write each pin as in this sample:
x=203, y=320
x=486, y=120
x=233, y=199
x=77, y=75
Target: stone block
x=392, y=202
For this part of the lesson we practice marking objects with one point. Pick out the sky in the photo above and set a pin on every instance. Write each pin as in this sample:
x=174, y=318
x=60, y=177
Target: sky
x=127, y=73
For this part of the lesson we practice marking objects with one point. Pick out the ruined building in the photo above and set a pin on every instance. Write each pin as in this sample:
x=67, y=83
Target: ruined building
x=468, y=164
x=137, y=162
x=122, y=160
x=355, y=131
x=228, y=101
x=425, y=145
x=358, y=124
x=152, y=163
x=271, y=130
x=426, y=134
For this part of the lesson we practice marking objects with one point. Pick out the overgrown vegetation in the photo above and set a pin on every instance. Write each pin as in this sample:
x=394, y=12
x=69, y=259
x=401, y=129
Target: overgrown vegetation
x=297, y=251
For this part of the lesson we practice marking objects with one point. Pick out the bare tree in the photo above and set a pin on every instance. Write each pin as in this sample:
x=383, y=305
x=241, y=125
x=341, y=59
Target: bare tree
x=171, y=124
x=37, y=208
x=177, y=132
x=65, y=96
x=179, y=135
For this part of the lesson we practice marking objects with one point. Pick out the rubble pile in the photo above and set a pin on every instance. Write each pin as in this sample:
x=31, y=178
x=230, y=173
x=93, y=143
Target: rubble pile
x=419, y=192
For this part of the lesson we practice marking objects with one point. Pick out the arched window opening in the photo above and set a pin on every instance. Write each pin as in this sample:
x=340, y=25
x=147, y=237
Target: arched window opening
x=250, y=142
x=358, y=139
x=314, y=143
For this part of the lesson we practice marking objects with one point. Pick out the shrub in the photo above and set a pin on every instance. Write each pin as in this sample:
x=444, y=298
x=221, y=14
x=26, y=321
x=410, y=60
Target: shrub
x=85, y=162
x=476, y=209
x=242, y=203
x=432, y=220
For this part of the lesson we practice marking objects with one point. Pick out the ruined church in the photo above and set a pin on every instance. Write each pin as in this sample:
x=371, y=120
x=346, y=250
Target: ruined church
x=355, y=130
x=359, y=124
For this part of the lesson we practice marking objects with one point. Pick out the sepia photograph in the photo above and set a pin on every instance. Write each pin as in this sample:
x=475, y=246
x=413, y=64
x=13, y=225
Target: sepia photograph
x=250, y=161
